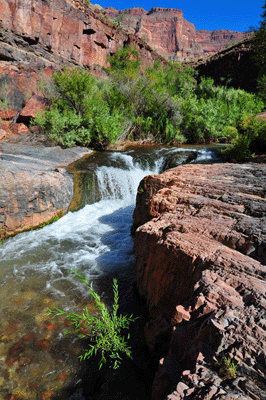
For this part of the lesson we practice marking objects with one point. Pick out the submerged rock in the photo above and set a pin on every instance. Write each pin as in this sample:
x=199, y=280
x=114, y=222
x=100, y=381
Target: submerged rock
x=201, y=255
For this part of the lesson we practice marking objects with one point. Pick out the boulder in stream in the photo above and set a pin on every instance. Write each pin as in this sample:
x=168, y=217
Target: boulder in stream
x=34, y=185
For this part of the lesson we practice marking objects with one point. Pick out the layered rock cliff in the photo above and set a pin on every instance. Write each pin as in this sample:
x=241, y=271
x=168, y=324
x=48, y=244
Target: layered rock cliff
x=213, y=41
x=167, y=31
x=61, y=32
x=201, y=267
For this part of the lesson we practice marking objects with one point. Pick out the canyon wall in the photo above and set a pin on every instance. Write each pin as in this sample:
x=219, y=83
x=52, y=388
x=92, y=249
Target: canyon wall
x=61, y=32
x=234, y=65
x=201, y=268
x=167, y=31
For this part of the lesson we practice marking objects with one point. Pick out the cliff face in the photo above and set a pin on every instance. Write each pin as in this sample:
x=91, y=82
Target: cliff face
x=38, y=37
x=60, y=31
x=200, y=258
x=166, y=30
x=213, y=41
x=235, y=64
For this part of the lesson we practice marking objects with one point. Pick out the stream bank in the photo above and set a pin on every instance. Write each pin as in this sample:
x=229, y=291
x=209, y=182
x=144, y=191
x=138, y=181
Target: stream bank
x=36, y=358
x=201, y=268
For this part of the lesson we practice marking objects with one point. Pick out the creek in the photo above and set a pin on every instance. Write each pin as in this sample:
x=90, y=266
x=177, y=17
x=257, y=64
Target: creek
x=37, y=361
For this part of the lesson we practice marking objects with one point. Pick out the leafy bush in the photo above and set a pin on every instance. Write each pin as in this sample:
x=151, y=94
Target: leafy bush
x=78, y=113
x=105, y=329
x=250, y=138
x=163, y=103
x=211, y=112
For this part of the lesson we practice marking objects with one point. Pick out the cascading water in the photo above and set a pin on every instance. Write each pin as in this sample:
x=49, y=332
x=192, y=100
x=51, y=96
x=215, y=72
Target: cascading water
x=35, y=272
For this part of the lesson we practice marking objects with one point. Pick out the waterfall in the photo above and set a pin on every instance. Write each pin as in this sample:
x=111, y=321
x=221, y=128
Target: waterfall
x=35, y=266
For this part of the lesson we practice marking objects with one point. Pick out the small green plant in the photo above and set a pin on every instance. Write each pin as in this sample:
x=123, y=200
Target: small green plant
x=228, y=368
x=56, y=218
x=104, y=329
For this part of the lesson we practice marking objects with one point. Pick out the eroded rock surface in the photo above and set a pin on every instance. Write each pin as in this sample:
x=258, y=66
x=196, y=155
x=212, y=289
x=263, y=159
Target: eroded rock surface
x=34, y=185
x=201, y=255
x=61, y=32
x=167, y=31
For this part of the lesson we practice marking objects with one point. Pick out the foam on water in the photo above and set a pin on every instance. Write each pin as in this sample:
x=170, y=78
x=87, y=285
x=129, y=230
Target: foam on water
x=35, y=266
x=81, y=239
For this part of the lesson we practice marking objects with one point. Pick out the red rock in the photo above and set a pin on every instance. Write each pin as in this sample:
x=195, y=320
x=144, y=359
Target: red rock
x=47, y=394
x=20, y=129
x=3, y=134
x=80, y=36
x=166, y=30
x=213, y=41
x=32, y=196
x=62, y=377
x=43, y=344
x=9, y=114
x=50, y=327
x=181, y=313
x=201, y=247
x=33, y=106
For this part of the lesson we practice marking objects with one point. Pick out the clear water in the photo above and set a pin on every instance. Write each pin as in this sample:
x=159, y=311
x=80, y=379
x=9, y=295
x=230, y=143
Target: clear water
x=35, y=273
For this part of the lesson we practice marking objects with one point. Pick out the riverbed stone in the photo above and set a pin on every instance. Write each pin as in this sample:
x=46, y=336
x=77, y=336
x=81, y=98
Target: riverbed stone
x=34, y=185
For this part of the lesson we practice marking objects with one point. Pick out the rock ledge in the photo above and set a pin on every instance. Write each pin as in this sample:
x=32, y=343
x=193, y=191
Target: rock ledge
x=201, y=253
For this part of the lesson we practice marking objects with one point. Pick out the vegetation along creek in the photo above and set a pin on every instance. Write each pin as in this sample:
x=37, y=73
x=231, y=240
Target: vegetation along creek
x=37, y=360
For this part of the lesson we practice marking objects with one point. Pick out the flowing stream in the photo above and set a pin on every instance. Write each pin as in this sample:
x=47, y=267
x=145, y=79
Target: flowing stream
x=37, y=360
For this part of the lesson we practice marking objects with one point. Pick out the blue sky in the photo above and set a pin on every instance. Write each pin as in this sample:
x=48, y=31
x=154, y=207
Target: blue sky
x=237, y=15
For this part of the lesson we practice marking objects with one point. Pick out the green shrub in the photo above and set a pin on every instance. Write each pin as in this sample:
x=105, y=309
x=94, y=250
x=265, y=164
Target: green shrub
x=250, y=138
x=163, y=103
x=78, y=113
x=209, y=110
x=105, y=329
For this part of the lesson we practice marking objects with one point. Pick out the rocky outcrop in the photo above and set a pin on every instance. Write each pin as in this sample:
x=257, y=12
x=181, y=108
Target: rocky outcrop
x=164, y=29
x=34, y=185
x=234, y=65
x=61, y=32
x=213, y=41
x=167, y=31
x=200, y=258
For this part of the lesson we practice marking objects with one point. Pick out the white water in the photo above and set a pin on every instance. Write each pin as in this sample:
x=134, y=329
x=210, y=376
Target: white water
x=35, y=269
x=94, y=240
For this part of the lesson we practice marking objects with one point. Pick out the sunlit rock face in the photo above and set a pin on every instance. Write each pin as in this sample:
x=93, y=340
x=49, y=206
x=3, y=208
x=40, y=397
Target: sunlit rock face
x=200, y=259
x=167, y=31
x=61, y=32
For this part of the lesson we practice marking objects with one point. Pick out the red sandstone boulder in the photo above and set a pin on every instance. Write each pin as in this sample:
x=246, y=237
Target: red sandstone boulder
x=201, y=262
x=34, y=105
x=8, y=114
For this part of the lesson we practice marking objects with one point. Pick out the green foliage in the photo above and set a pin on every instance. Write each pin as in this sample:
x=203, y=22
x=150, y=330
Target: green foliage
x=162, y=103
x=211, y=113
x=250, y=138
x=144, y=99
x=125, y=60
x=4, y=92
x=54, y=219
x=78, y=113
x=228, y=368
x=105, y=329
